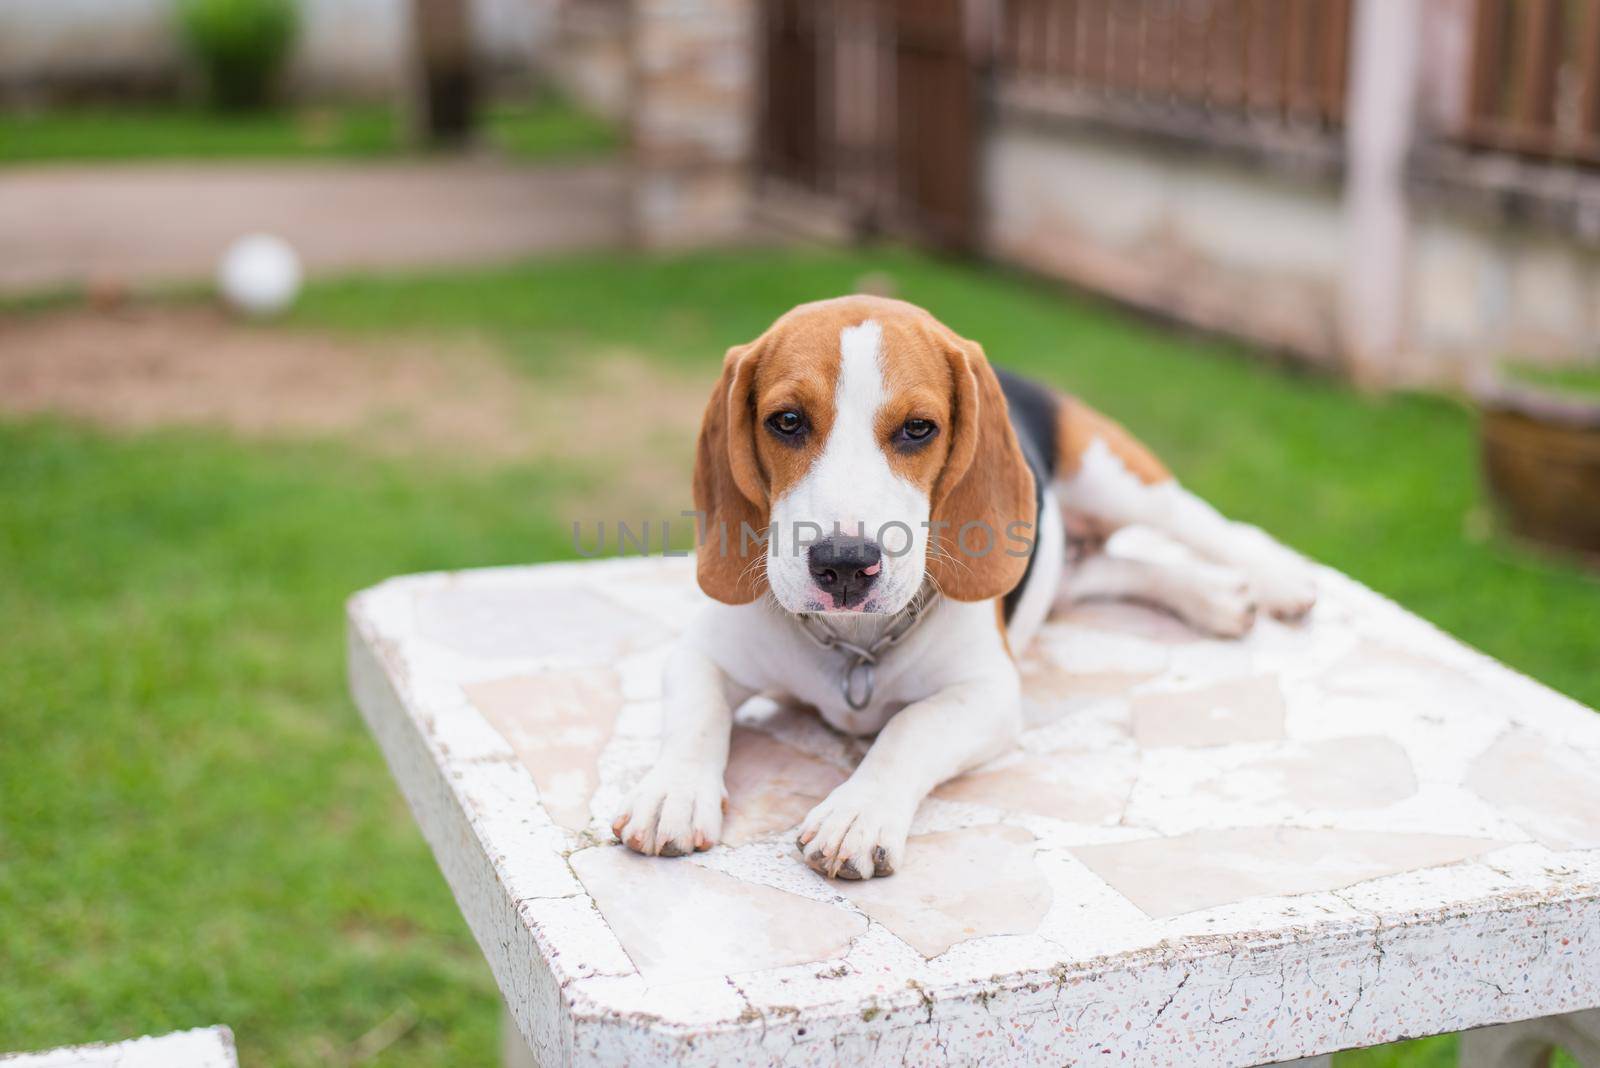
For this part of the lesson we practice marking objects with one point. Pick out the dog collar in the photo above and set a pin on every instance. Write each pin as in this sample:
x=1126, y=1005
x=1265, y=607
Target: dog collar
x=860, y=674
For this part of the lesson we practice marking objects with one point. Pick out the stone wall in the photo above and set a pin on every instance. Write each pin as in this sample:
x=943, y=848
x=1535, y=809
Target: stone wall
x=1262, y=250
x=1486, y=286
x=1206, y=239
x=586, y=55
x=692, y=122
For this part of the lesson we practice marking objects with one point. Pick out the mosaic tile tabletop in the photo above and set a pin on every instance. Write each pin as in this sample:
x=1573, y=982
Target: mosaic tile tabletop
x=1202, y=853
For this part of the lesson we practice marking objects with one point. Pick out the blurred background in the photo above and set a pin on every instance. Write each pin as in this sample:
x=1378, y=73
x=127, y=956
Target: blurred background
x=299, y=294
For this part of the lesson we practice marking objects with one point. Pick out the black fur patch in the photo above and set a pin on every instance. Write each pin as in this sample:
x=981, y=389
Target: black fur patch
x=1032, y=409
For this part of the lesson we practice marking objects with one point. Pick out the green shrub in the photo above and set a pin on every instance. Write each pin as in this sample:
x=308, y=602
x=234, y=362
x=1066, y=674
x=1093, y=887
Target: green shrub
x=240, y=47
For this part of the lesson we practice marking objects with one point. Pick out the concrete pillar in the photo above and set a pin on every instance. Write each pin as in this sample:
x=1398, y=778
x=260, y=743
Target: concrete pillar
x=514, y=1051
x=1380, y=120
x=692, y=119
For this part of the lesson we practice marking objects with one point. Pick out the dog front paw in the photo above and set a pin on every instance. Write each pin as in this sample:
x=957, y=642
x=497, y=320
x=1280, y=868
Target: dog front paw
x=673, y=811
x=1285, y=589
x=856, y=833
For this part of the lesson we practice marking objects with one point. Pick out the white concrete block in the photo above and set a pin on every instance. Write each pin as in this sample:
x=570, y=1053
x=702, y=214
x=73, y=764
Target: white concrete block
x=1205, y=853
x=204, y=1047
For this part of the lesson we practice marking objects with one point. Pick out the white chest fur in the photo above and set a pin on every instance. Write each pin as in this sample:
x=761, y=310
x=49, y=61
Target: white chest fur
x=763, y=650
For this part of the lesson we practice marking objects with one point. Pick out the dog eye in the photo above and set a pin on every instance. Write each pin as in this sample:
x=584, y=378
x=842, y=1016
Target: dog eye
x=787, y=423
x=917, y=429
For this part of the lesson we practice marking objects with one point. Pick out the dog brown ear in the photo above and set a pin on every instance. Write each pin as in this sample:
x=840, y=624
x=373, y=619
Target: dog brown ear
x=985, y=487
x=729, y=490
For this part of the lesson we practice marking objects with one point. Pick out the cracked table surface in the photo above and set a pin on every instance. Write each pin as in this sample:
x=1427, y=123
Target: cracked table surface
x=1202, y=852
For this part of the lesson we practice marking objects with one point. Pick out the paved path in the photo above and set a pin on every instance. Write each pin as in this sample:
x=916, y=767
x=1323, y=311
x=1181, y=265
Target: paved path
x=149, y=223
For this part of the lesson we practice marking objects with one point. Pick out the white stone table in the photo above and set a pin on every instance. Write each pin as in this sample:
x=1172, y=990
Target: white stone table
x=203, y=1047
x=1204, y=853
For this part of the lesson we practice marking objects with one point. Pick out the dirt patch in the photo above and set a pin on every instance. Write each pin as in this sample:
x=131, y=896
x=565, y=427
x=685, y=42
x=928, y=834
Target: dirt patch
x=621, y=417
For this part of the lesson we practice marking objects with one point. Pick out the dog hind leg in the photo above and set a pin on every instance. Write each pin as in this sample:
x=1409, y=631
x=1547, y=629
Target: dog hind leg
x=1217, y=600
x=1107, y=480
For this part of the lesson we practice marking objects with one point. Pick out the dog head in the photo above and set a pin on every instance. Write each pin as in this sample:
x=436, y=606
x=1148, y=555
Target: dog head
x=853, y=451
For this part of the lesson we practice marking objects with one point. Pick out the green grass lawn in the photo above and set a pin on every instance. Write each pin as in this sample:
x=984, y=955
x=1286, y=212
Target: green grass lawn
x=194, y=826
x=1581, y=383
x=544, y=128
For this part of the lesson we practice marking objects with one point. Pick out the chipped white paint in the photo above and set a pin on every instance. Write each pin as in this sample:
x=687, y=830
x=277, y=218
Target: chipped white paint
x=204, y=1047
x=1388, y=839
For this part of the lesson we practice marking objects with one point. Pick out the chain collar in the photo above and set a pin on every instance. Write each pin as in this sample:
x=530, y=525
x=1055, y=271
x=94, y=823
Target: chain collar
x=860, y=675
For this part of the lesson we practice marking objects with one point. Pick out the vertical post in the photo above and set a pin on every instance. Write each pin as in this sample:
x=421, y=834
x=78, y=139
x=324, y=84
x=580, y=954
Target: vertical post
x=1445, y=104
x=692, y=119
x=1536, y=91
x=1488, y=57
x=1380, y=120
x=514, y=1051
x=1335, y=56
x=1589, y=75
x=443, y=87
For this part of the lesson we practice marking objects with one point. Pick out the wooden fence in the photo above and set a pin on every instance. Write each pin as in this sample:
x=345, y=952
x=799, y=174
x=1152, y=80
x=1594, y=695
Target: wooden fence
x=1274, y=60
x=875, y=103
x=1536, y=79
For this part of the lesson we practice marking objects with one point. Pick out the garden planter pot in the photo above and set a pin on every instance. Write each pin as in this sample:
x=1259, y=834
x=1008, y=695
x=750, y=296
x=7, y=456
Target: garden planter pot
x=1541, y=457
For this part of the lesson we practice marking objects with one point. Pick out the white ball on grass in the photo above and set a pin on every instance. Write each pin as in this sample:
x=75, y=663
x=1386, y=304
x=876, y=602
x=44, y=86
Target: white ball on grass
x=259, y=274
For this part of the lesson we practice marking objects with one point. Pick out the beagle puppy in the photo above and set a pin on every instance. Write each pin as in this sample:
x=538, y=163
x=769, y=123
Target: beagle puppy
x=884, y=523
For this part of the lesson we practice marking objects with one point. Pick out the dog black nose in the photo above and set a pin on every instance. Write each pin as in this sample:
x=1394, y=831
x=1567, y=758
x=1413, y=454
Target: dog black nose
x=845, y=567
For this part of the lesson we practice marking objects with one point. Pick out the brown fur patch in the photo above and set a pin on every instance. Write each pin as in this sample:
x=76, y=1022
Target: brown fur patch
x=919, y=383
x=985, y=485
x=1078, y=425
